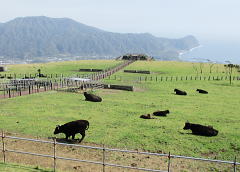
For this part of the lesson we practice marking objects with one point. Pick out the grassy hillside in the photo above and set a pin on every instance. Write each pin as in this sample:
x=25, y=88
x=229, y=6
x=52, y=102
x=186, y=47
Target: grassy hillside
x=115, y=122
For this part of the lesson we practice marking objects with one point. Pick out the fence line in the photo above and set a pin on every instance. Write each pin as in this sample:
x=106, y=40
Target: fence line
x=21, y=87
x=155, y=78
x=103, y=163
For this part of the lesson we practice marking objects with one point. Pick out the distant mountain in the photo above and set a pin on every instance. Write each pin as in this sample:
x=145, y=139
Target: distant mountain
x=31, y=37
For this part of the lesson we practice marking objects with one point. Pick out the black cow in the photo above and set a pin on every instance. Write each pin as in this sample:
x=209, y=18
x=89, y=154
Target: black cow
x=161, y=113
x=147, y=116
x=92, y=97
x=72, y=128
x=180, y=92
x=202, y=91
x=202, y=130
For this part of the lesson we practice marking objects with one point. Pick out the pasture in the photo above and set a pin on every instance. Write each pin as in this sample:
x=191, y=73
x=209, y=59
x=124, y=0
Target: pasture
x=115, y=121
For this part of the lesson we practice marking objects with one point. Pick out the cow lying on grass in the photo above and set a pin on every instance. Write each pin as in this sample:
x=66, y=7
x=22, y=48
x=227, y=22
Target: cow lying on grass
x=202, y=91
x=92, y=97
x=202, y=130
x=179, y=92
x=147, y=116
x=161, y=113
x=72, y=128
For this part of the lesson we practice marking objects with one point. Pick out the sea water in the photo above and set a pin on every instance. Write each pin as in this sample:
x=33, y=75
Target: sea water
x=214, y=51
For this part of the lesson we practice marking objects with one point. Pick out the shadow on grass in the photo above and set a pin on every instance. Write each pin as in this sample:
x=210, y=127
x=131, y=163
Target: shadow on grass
x=18, y=167
x=63, y=140
x=194, y=134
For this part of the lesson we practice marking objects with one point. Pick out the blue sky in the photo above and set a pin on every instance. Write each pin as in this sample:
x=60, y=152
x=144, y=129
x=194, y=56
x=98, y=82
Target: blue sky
x=206, y=19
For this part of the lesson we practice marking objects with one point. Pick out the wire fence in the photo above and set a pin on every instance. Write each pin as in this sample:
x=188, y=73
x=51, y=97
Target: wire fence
x=155, y=78
x=103, y=163
x=29, y=85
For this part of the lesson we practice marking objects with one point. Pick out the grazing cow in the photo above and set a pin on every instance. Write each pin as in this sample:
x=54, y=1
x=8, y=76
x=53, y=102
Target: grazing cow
x=161, y=113
x=92, y=97
x=202, y=130
x=179, y=92
x=72, y=128
x=147, y=116
x=202, y=91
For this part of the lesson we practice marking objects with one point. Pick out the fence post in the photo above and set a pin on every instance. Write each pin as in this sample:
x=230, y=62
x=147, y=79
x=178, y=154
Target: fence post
x=103, y=158
x=169, y=161
x=234, y=165
x=3, y=147
x=54, y=154
x=9, y=93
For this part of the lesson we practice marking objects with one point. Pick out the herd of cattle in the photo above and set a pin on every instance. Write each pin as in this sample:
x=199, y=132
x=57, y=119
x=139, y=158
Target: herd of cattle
x=79, y=126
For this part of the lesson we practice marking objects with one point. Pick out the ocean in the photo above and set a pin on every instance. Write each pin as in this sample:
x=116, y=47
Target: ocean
x=215, y=51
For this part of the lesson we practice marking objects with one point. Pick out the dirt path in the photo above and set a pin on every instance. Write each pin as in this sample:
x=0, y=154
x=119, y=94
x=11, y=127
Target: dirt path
x=127, y=159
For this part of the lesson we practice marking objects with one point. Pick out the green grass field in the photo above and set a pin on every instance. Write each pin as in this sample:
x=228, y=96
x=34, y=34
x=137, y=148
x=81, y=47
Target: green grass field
x=68, y=68
x=115, y=122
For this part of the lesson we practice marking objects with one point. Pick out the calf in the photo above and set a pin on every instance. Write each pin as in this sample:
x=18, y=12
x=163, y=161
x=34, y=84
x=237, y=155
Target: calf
x=147, y=116
x=202, y=91
x=161, y=113
x=180, y=92
x=202, y=130
x=72, y=128
x=92, y=97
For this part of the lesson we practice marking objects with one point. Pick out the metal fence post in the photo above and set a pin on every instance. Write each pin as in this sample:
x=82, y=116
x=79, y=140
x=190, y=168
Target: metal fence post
x=103, y=158
x=3, y=147
x=54, y=154
x=169, y=161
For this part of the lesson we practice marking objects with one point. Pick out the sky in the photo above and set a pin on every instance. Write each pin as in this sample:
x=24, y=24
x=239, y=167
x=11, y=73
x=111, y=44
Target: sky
x=205, y=19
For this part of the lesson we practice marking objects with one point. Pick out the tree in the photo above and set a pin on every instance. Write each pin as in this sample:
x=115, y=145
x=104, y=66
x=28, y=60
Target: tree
x=201, y=65
x=211, y=65
x=229, y=70
x=195, y=68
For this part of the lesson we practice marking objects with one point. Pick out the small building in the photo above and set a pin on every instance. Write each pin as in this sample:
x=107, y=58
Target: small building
x=135, y=57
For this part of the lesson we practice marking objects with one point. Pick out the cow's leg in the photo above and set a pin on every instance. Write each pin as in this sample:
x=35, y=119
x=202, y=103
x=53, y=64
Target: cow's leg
x=67, y=136
x=73, y=136
x=83, y=135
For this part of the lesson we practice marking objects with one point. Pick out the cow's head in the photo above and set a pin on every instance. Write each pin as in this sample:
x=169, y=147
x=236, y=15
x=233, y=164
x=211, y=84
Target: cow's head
x=85, y=93
x=197, y=90
x=167, y=111
x=57, y=129
x=187, y=126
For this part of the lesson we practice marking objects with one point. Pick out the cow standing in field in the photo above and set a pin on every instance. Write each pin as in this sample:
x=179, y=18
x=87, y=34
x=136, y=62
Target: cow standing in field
x=161, y=113
x=180, y=92
x=202, y=130
x=72, y=128
x=202, y=91
x=92, y=97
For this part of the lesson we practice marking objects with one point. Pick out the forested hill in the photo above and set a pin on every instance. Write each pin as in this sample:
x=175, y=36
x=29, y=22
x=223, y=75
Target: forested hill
x=30, y=37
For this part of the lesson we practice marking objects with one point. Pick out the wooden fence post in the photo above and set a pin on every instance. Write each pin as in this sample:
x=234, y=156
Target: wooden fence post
x=103, y=158
x=169, y=161
x=54, y=154
x=3, y=147
x=234, y=165
x=29, y=89
x=9, y=93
